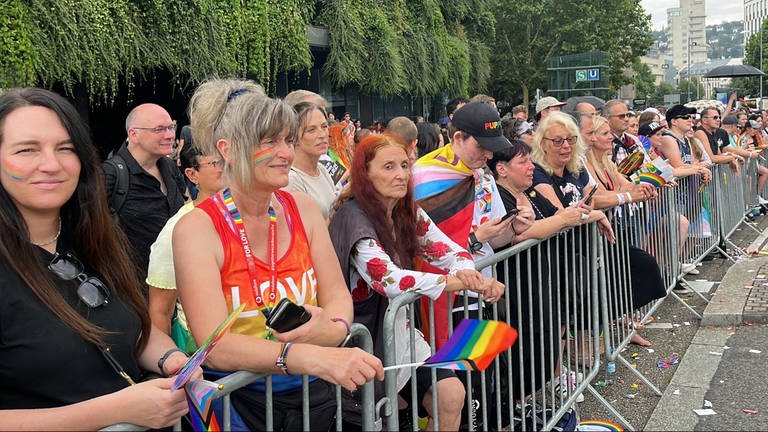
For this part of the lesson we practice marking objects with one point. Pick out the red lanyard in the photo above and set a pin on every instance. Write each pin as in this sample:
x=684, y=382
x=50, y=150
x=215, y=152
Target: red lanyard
x=234, y=219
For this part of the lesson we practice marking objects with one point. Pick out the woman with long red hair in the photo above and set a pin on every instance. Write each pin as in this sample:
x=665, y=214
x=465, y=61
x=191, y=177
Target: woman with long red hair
x=378, y=232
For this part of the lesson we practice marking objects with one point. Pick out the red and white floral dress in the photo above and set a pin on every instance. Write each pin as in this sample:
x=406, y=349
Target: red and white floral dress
x=374, y=271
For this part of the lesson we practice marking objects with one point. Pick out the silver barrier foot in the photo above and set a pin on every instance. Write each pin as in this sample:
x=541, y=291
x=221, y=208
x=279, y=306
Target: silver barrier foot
x=677, y=297
x=700, y=295
x=726, y=254
x=617, y=415
x=642, y=377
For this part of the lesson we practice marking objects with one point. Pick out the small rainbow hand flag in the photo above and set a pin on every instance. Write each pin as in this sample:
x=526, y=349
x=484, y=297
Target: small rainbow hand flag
x=651, y=178
x=186, y=371
x=473, y=345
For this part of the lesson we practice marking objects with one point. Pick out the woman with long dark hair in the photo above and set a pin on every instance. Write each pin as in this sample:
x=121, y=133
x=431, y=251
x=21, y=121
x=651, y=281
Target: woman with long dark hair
x=75, y=333
x=378, y=232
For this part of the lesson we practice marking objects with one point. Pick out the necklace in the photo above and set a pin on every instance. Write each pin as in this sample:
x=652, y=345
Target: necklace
x=51, y=241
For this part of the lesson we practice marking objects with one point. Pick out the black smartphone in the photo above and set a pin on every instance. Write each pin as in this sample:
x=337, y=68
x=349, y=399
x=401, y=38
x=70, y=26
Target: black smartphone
x=588, y=199
x=510, y=213
x=287, y=315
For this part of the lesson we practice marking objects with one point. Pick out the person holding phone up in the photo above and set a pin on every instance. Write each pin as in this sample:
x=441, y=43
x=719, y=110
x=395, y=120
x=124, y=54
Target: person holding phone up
x=378, y=232
x=255, y=244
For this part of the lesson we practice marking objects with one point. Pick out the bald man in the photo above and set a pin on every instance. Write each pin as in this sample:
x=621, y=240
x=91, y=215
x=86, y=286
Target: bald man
x=155, y=189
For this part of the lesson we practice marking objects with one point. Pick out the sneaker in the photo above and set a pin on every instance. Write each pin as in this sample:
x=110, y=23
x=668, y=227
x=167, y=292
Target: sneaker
x=689, y=269
x=566, y=384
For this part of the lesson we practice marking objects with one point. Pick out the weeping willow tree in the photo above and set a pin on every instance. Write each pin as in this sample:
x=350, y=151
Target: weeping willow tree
x=106, y=44
x=386, y=47
x=416, y=47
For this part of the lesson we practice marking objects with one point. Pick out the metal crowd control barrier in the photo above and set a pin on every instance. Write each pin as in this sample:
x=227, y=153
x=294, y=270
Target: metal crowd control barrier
x=552, y=300
x=240, y=379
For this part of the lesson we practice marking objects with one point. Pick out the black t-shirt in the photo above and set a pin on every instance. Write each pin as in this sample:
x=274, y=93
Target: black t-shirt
x=43, y=363
x=717, y=140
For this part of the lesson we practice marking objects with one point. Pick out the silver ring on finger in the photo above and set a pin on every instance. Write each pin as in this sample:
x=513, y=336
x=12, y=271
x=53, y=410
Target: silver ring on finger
x=584, y=217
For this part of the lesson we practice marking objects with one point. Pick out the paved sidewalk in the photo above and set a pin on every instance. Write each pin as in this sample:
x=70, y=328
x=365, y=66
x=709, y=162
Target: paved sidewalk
x=724, y=366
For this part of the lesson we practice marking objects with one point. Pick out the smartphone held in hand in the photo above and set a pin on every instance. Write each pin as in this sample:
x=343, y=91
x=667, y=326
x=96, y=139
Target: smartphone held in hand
x=287, y=315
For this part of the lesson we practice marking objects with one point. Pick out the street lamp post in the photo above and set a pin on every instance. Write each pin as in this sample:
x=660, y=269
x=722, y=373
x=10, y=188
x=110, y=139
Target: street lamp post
x=688, y=72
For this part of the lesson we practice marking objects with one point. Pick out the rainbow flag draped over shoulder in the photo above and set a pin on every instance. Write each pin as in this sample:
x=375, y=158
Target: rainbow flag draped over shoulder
x=445, y=188
x=473, y=345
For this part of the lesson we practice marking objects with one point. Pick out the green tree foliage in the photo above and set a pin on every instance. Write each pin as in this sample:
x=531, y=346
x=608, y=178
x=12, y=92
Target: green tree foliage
x=696, y=89
x=643, y=79
x=417, y=47
x=530, y=32
x=657, y=96
x=108, y=43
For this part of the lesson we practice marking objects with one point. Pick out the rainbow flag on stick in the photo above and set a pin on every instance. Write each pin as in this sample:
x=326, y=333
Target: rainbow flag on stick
x=473, y=345
x=201, y=354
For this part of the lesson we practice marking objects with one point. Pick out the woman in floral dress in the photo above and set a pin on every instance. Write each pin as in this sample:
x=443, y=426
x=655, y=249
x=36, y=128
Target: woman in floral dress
x=379, y=232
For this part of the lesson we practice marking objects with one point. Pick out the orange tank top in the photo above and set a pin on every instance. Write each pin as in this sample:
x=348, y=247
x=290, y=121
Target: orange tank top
x=295, y=273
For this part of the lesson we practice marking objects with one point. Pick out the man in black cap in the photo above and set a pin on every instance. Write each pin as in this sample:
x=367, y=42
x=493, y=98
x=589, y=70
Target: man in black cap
x=677, y=147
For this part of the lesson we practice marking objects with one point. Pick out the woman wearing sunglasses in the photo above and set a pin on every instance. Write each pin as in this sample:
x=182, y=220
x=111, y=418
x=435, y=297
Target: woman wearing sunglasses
x=75, y=334
x=256, y=244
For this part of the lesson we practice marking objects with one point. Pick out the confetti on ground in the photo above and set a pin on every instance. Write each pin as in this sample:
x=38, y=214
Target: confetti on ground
x=749, y=411
x=686, y=323
x=705, y=411
x=707, y=404
x=631, y=395
x=716, y=353
x=722, y=381
x=676, y=392
x=676, y=325
x=635, y=355
x=726, y=347
x=650, y=351
x=666, y=364
x=754, y=351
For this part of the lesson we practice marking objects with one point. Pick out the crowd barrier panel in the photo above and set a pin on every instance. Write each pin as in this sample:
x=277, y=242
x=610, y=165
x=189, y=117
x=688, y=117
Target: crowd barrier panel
x=240, y=379
x=566, y=344
x=732, y=206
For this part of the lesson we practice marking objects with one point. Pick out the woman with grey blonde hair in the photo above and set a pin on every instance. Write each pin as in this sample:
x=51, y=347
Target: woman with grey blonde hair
x=256, y=244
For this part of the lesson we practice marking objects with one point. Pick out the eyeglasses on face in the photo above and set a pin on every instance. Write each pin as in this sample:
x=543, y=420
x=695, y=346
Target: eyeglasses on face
x=620, y=116
x=159, y=129
x=684, y=117
x=713, y=117
x=91, y=290
x=213, y=164
x=558, y=142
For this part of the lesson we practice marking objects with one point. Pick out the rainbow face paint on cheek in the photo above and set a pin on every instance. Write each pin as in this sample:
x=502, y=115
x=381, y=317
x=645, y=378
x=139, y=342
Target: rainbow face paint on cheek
x=12, y=171
x=262, y=156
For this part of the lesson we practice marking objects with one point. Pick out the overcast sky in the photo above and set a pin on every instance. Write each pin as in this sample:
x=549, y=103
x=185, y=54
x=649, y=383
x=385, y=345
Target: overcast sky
x=717, y=11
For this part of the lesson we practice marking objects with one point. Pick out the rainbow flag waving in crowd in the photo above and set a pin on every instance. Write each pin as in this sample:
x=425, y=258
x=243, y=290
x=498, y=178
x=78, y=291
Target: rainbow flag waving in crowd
x=473, y=346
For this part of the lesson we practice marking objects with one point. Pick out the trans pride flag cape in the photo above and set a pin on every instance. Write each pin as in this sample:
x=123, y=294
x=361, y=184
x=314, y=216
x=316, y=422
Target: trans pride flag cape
x=445, y=188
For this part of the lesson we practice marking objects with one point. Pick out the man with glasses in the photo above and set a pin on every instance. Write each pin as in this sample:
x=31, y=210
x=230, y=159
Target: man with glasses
x=155, y=189
x=710, y=133
x=624, y=143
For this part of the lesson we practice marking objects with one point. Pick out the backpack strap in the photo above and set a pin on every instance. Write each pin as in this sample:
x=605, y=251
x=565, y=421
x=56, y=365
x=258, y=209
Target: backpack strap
x=122, y=183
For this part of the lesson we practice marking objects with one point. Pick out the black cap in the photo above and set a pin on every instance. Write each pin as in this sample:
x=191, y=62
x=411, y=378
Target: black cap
x=649, y=128
x=482, y=122
x=730, y=120
x=677, y=111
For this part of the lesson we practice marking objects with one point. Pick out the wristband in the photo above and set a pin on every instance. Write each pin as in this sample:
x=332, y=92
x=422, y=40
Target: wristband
x=161, y=362
x=280, y=362
x=349, y=330
x=620, y=197
x=629, y=198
